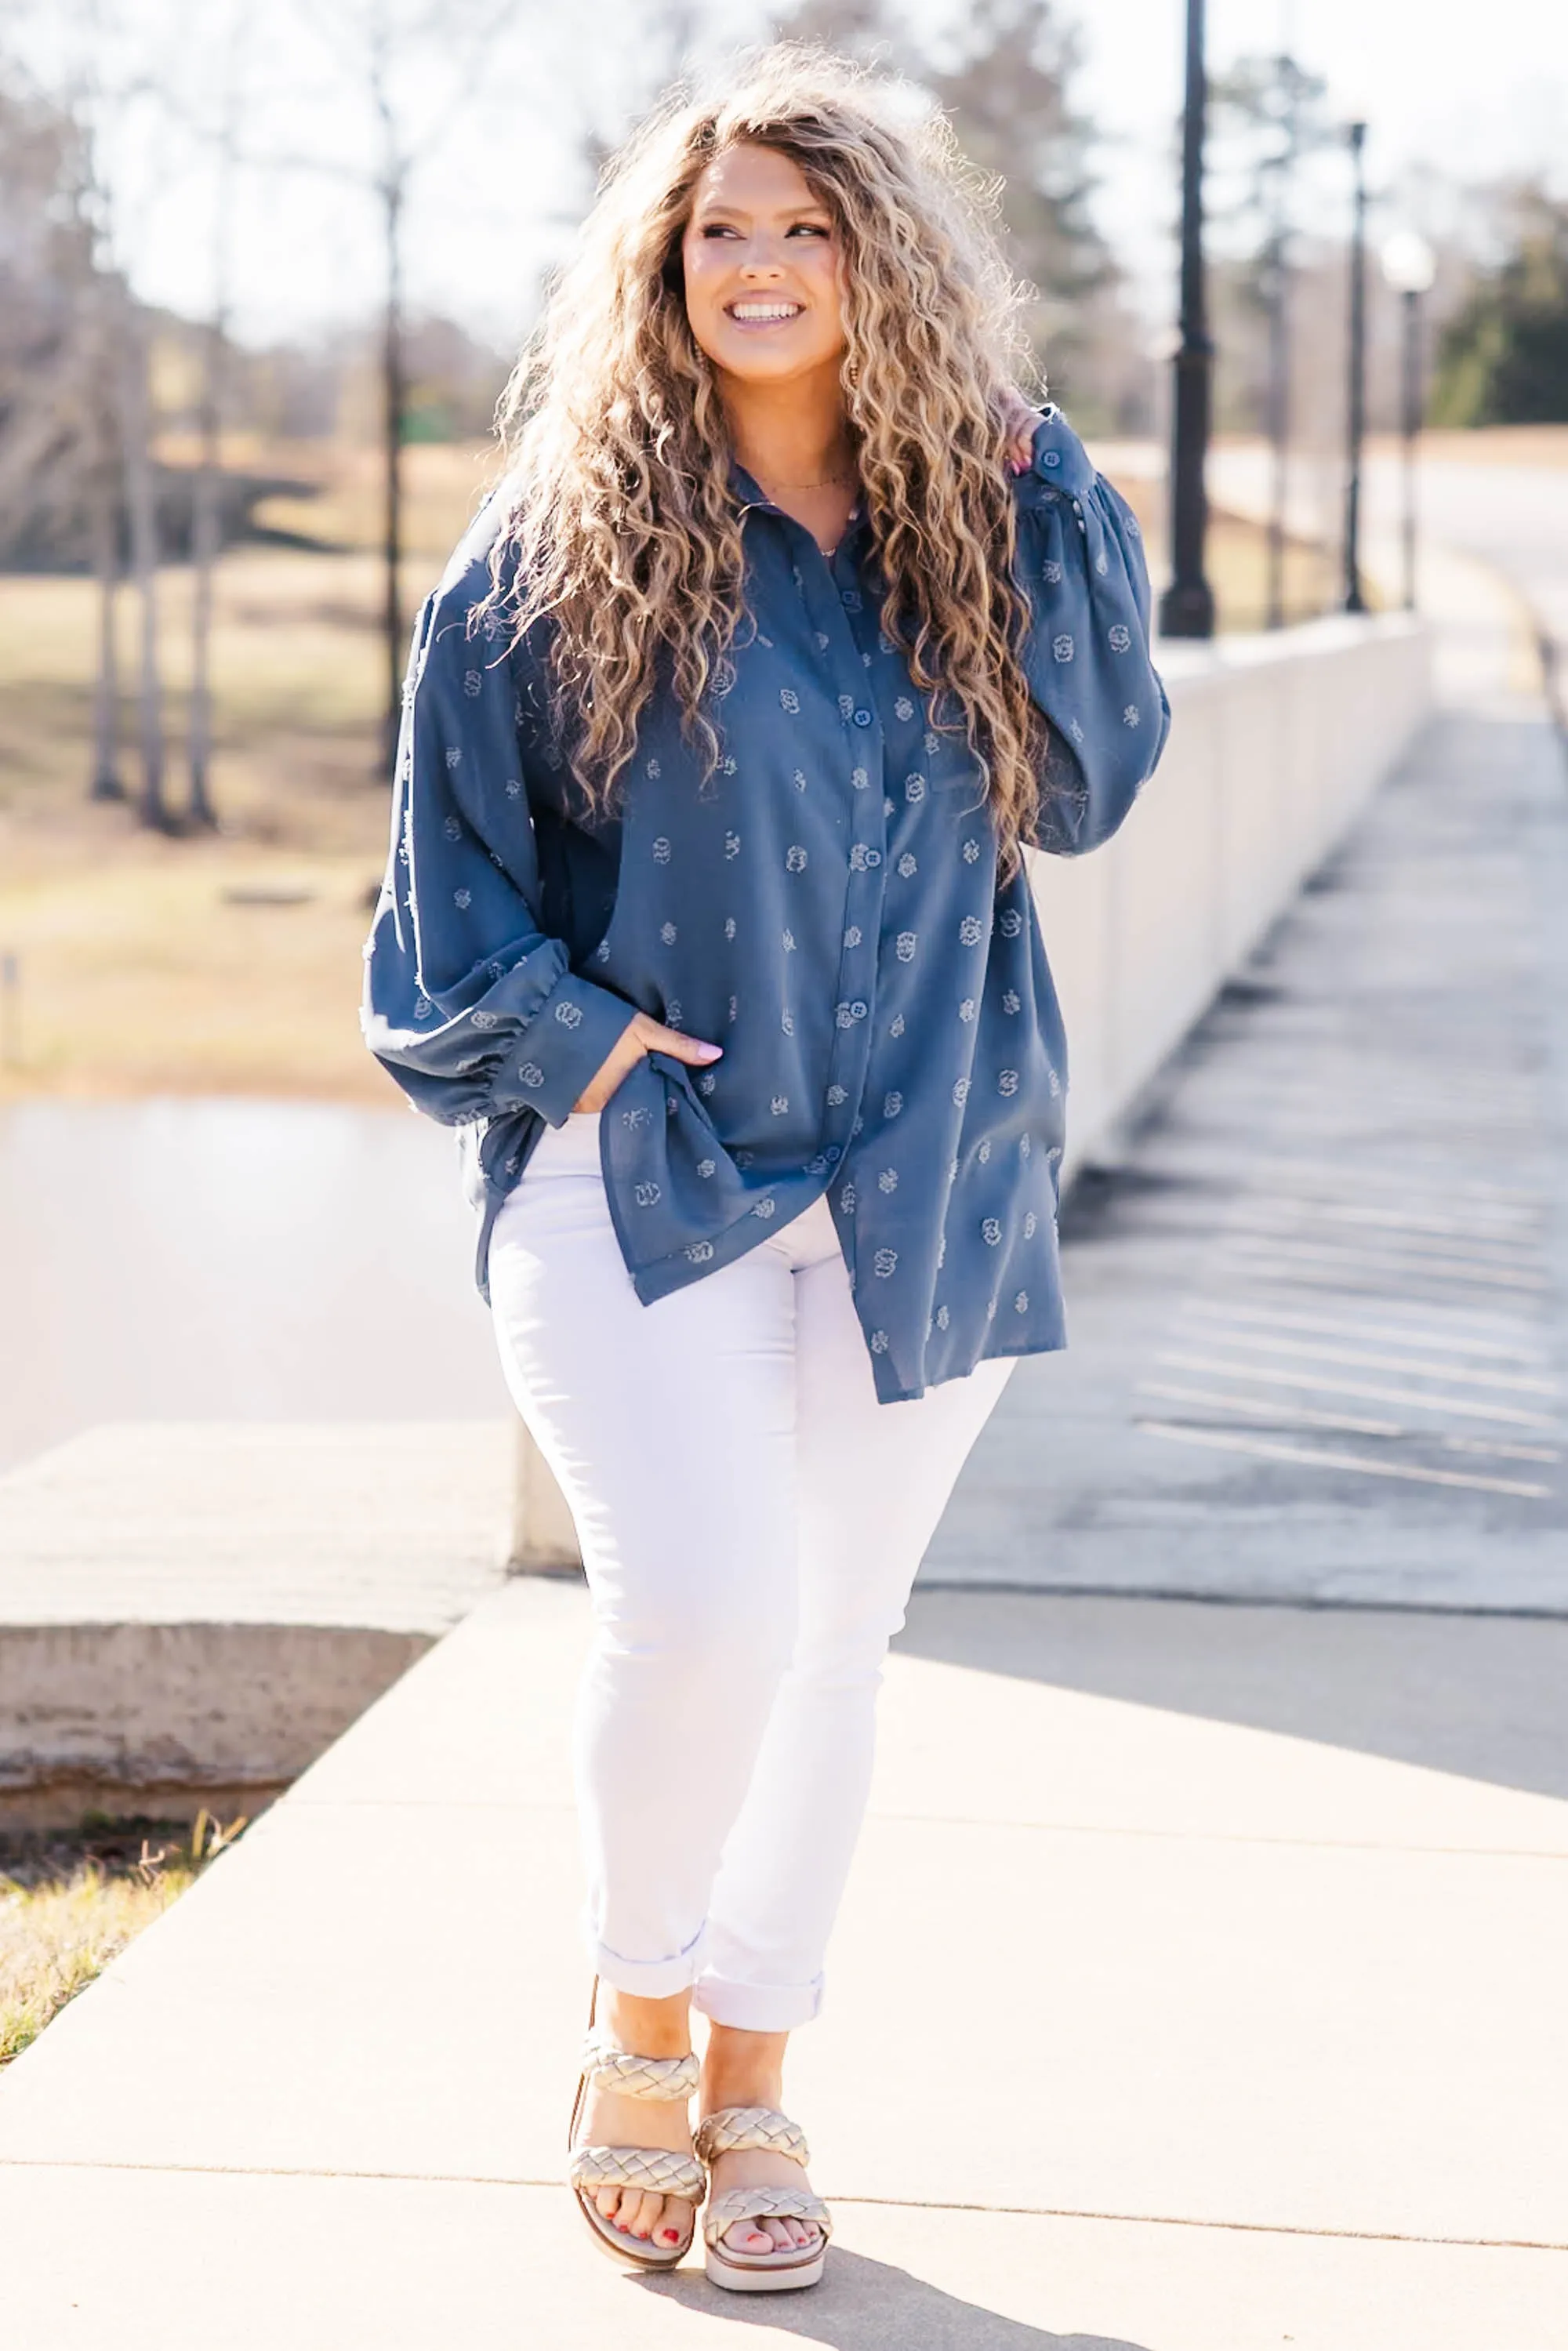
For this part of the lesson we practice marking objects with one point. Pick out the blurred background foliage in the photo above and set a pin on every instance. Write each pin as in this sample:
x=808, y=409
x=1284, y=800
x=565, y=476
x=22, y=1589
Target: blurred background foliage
x=1503, y=357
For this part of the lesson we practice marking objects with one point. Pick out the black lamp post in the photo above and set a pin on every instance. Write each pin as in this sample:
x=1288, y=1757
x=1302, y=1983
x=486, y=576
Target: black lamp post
x=1355, y=402
x=1409, y=267
x=1290, y=85
x=1186, y=608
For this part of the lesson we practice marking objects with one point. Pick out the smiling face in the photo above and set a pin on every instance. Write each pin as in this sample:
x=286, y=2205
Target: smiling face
x=762, y=262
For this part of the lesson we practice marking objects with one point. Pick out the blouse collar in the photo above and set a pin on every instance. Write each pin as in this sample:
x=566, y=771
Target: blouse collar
x=753, y=499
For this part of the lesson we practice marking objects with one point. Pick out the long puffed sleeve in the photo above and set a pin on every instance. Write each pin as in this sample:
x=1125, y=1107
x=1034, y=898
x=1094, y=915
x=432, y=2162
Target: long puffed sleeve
x=468, y=1004
x=1080, y=563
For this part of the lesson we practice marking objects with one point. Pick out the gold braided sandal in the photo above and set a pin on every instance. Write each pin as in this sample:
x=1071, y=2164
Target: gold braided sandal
x=657, y=2168
x=789, y=2266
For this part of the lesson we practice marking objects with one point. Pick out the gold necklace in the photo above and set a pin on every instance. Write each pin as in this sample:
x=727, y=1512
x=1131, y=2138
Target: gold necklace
x=829, y=481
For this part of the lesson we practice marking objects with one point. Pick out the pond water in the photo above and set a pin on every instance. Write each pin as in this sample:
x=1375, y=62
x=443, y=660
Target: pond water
x=231, y=1259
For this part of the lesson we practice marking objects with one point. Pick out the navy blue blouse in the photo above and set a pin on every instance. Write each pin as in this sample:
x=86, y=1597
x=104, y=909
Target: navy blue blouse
x=826, y=907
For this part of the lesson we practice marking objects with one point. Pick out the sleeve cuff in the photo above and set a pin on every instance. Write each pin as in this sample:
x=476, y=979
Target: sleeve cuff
x=564, y=1045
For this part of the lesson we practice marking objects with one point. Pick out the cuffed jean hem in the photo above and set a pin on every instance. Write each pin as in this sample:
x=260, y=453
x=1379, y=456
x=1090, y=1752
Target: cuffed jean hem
x=757, y=2007
x=647, y=1979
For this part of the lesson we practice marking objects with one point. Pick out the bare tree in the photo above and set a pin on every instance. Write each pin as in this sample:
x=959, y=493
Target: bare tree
x=1268, y=112
x=104, y=482
x=670, y=39
x=104, y=307
x=141, y=499
x=387, y=48
x=115, y=413
x=200, y=810
x=396, y=167
x=62, y=312
x=1006, y=71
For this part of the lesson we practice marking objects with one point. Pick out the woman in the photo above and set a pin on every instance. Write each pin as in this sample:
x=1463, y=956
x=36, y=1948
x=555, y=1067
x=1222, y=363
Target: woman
x=706, y=922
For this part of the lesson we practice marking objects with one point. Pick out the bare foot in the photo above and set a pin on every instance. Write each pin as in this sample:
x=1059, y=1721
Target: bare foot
x=650, y=2028
x=757, y=2167
x=612, y=2119
x=747, y=2069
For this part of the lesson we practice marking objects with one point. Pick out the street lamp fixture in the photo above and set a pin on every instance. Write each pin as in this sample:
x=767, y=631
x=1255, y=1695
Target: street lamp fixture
x=1409, y=265
x=1186, y=608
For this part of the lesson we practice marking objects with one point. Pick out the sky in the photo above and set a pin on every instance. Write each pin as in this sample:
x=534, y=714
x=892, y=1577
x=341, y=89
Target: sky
x=1475, y=93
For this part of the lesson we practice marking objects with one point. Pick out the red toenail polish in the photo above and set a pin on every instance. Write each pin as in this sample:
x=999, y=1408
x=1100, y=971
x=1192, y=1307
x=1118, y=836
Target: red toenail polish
x=671, y=2236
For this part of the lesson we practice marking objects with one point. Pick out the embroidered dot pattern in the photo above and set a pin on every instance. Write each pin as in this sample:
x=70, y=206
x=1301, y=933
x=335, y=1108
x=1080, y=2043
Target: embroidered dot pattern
x=822, y=899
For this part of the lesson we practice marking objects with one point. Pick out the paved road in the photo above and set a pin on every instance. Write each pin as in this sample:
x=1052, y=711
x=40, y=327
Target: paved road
x=1513, y=516
x=1318, y=1312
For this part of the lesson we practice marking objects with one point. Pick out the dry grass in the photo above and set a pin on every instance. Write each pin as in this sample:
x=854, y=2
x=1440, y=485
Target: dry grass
x=211, y=967
x=68, y=1905
x=227, y=963
x=1495, y=445
x=138, y=968
x=1237, y=562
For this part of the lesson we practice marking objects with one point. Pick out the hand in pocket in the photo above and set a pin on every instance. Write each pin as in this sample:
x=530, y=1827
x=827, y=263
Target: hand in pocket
x=642, y=1037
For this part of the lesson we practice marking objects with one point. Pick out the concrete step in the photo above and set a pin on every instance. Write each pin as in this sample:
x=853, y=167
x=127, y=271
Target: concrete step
x=191, y=1613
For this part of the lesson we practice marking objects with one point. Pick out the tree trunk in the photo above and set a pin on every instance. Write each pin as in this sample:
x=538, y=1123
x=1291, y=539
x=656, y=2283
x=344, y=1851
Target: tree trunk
x=141, y=498
x=394, y=401
x=106, y=783
x=199, y=807
x=204, y=521
x=1279, y=418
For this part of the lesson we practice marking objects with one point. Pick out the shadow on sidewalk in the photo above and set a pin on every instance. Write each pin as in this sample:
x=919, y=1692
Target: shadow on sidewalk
x=1480, y=1695
x=865, y=2305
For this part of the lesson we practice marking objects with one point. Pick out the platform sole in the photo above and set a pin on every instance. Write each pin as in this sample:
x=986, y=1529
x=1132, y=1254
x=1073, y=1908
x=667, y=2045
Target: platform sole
x=764, y=2276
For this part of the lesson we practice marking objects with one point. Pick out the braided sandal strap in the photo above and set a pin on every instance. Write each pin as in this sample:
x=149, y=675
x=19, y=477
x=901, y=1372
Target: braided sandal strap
x=764, y=2204
x=641, y=2077
x=735, y=2128
x=657, y=2168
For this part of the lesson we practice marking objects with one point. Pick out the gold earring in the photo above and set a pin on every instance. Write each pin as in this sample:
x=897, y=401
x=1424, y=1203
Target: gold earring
x=852, y=372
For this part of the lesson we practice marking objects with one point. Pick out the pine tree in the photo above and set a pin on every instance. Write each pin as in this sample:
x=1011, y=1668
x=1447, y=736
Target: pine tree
x=1503, y=357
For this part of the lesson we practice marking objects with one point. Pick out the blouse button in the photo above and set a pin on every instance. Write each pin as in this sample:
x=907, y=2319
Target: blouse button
x=863, y=718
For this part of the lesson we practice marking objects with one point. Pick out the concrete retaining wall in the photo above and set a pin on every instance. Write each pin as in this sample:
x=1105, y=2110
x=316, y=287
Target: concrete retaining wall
x=1276, y=743
x=190, y=1613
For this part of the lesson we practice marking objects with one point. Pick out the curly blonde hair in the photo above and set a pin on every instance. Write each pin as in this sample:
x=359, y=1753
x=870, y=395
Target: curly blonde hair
x=626, y=533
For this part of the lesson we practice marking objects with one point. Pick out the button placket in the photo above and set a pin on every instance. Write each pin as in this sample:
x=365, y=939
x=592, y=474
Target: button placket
x=864, y=754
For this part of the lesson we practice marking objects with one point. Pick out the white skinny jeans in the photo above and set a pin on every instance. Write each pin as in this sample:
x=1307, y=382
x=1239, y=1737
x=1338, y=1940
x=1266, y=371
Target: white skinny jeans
x=751, y=1520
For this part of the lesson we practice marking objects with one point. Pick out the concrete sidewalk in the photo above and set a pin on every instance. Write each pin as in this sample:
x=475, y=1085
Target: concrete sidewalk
x=1318, y=1314
x=1200, y=1983
x=1257, y=2038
